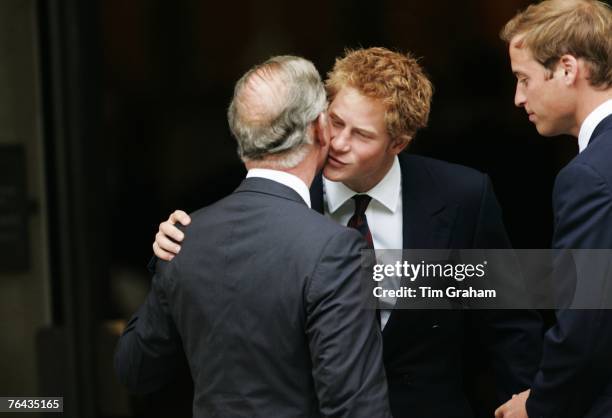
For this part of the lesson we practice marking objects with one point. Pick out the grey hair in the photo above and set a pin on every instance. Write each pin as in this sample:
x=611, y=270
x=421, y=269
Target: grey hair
x=272, y=109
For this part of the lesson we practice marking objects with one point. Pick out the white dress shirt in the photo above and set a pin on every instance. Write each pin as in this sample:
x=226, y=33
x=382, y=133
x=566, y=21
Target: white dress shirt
x=282, y=177
x=590, y=123
x=384, y=215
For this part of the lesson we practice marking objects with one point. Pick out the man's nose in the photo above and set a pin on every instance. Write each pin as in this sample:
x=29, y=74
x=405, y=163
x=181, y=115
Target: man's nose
x=519, y=98
x=340, y=140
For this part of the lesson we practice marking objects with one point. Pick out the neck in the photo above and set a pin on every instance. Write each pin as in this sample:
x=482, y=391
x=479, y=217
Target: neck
x=305, y=170
x=589, y=102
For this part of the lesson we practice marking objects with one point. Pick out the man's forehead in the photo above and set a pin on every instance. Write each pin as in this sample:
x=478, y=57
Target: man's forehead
x=519, y=55
x=363, y=113
x=518, y=48
x=517, y=41
x=350, y=95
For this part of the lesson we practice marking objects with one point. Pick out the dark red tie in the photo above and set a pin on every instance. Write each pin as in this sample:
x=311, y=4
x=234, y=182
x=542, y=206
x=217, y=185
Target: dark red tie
x=359, y=220
x=360, y=223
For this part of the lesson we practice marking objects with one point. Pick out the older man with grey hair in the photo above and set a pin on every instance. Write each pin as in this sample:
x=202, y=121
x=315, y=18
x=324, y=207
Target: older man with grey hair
x=264, y=298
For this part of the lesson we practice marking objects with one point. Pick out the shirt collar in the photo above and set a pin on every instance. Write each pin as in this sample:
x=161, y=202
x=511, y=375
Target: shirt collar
x=284, y=178
x=591, y=122
x=386, y=192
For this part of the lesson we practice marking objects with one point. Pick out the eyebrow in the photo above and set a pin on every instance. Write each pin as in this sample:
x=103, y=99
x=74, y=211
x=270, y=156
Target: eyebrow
x=365, y=132
x=333, y=115
x=361, y=131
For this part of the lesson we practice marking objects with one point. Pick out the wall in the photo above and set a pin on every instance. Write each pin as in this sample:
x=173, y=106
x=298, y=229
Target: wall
x=24, y=295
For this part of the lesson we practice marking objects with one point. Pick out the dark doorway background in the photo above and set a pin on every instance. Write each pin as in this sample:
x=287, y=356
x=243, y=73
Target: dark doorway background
x=167, y=73
x=135, y=99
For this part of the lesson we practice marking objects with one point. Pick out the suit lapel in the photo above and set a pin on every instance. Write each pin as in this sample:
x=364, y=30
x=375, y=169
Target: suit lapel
x=427, y=223
x=427, y=219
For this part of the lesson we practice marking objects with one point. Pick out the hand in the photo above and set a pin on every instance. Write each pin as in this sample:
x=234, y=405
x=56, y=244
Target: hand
x=167, y=238
x=515, y=407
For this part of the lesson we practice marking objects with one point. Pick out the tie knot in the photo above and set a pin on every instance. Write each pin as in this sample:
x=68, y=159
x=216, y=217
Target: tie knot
x=361, y=203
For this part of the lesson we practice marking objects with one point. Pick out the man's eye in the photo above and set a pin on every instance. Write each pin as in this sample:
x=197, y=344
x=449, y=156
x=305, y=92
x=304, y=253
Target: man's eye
x=336, y=123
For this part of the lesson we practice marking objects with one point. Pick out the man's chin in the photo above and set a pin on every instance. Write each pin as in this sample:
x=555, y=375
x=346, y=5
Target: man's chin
x=331, y=174
x=547, y=131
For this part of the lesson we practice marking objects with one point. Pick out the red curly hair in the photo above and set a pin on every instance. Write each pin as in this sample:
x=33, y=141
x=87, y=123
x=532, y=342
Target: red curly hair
x=395, y=78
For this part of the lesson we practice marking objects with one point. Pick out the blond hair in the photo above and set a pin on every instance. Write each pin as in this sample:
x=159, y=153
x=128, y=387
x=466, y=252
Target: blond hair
x=396, y=79
x=553, y=28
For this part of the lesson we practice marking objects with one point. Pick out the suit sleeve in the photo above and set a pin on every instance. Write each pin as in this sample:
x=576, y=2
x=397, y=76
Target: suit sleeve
x=344, y=339
x=149, y=350
x=576, y=360
x=513, y=338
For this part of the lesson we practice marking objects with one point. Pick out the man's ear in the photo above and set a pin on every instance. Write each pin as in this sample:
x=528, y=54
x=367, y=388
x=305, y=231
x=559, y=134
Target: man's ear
x=568, y=65
x=400, y=143
x=322, y=130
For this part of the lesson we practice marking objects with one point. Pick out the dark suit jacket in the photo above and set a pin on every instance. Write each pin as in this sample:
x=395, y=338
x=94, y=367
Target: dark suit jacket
x=264, y=300
x=450, y=206
x=575, y=378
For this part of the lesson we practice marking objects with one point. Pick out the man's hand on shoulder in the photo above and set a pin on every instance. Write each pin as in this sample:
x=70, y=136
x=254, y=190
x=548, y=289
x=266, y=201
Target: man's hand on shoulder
x=168, y=237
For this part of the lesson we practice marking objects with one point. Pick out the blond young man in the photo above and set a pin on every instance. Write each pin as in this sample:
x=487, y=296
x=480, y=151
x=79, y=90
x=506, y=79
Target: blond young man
x=561, y=54
x=379, y=99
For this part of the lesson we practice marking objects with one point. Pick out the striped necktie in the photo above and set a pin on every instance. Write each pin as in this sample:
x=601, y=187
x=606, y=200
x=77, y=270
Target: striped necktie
x=360, y=223
x=359, y=220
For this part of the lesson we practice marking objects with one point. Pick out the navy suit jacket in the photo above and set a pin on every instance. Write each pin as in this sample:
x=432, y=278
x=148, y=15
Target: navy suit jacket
x=265, y=301
x=450, y=206
x=575, y=377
